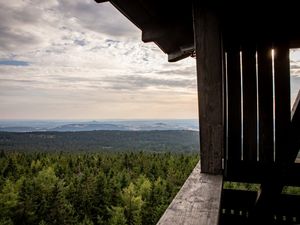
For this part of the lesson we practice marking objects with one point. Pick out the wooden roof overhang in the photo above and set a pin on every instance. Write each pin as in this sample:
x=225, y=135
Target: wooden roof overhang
x=169, y=24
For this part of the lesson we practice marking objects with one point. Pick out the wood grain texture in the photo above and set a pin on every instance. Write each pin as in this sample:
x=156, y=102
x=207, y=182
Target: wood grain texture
x=282, y=99
x=234, y=104
x=265, y=92
x=295, y=130
x=249, y=103
x=197, y=202
x=210, y=88
x=232, y=206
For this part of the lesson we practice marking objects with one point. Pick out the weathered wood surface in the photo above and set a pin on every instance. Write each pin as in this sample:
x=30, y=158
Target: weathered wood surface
x=272, y=185
x=295, y=130
x=265, y=93
x=198, y=201
x=282, y=100
x=233, y=207
x=234, y=105
x=210, y=87
x=250, y=103
x=252, y=173
x=184, y=51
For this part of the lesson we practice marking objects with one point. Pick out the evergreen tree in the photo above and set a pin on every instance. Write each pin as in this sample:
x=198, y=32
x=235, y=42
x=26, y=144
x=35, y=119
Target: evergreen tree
x=117, y=216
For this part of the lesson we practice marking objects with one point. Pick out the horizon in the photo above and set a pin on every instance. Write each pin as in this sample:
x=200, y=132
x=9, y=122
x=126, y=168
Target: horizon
x=90, y=125
x=100, y=120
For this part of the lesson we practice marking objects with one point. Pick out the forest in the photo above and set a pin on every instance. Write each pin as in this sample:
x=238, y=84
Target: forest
x=128, y=188
x=184, y=141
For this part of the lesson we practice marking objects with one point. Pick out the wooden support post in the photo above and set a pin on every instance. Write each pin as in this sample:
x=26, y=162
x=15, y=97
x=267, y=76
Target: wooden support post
x=234, y=105
x=263, y=207
x=265, y=93
x=295, y=131
x=250, y=103
x=282, y=100
x=207, y=36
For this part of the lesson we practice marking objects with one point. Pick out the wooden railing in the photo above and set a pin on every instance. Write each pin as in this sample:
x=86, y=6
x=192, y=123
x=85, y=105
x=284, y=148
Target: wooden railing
x=262, y=132
x=237, y=205
x=198, y=201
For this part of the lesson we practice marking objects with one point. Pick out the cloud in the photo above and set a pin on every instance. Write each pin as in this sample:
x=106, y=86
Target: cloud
x=98, y=17
x=135, y=82
x=13, y=63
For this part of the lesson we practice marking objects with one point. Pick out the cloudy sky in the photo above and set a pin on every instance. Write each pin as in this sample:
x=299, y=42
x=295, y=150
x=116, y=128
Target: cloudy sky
x=75, y=59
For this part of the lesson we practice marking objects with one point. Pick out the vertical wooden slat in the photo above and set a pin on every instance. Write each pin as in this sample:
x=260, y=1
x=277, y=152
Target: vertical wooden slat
x=210, y=93
x=295, y=131
x=265, y=92
x=249, y=103
x=234, y=104
x=282, y=99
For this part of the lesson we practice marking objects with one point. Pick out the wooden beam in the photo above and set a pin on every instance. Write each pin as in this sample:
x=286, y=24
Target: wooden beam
x=234, y=104
x=183, y=52
x=252, y=173
x=249, y=103
x=207, y=36
x=197, y=202
x=153, y=32
x=295, y=130
x=273, y=185
x=282, y=100
x=101, y=1
x=265, y=93
x=269, y=188
x=273, y=182
x=295, y=106
x=178, y=55
x=237, y=203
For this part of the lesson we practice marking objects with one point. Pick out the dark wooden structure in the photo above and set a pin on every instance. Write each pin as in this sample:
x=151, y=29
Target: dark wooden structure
x=248, y=132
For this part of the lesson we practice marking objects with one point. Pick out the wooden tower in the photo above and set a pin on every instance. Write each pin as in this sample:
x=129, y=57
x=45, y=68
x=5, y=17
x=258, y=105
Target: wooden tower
x=248, y=132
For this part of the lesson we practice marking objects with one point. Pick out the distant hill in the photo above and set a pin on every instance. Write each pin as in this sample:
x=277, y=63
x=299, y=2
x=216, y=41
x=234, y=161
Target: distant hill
x=109, y=140
x=125, y=125
x=88, y=127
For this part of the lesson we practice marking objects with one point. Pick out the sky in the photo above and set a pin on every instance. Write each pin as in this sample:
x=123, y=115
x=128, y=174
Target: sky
x=76, y=59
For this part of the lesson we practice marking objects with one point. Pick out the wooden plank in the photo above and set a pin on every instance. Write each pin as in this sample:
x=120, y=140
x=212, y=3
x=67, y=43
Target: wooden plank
x=234, y=104
x=295, y=130
x=234, y=201
x=282, y=99
x=183, y=52
x=136, y=13
x=284, y=172
x=210, y=88
x=275, y=178
x=198, y=201
x=252, y=173
x=265, y=92
x=238, y=199
x=178, y=55
x=101, y=1
x=154, y=31
x=295, y=105
x=249, y=103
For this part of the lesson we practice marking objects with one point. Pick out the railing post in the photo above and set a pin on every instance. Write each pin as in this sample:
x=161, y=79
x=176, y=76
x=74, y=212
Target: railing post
x=207, y=36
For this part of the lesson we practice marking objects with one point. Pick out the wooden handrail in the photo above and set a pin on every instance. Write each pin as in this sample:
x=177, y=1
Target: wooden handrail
x=198, y=201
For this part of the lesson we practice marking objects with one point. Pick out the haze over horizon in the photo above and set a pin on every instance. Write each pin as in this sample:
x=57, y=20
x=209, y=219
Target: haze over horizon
x=76, y=59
